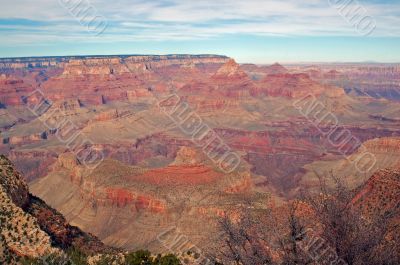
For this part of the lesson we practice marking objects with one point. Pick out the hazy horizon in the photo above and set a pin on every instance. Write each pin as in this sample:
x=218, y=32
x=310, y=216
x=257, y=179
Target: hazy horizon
x=193, y=54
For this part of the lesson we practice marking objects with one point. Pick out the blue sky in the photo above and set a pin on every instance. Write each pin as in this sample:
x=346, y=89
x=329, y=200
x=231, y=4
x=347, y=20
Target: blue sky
x=257, y=31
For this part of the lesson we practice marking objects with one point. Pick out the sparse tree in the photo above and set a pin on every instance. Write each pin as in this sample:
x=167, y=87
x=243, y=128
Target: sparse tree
x=356, y=238
x=244, y=237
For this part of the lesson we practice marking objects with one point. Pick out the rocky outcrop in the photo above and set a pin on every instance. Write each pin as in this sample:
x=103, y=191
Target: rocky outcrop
x=379, y=193
x=30, y=228
x=20, y=234
x=379, y=199
x=12, y=183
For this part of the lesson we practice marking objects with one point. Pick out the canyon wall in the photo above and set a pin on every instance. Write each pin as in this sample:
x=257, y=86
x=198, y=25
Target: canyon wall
x=90, y=79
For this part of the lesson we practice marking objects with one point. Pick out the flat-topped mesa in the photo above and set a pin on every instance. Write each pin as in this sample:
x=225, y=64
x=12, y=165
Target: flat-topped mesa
x=60, y=61
x=32, y=62
x=98, y=66
x=178, y=59
x=95, y=80
x=135, y=64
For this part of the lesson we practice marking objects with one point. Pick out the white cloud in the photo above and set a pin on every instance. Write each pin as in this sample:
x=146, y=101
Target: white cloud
x=186, y=19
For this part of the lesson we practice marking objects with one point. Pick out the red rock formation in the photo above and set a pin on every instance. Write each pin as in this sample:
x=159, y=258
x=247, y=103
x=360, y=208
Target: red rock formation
x=92, y=80
x=223, y=90
x=133, y=64
x=119, y=197
x=180, y=175
x=145, y=202
x=13, y=89
x=290, y=85
x=230, y=70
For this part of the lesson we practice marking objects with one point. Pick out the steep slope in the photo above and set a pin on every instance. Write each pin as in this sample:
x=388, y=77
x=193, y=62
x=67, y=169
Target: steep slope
x=380, y=193
x=379, y=197
x=30, y=228
x=21, y=235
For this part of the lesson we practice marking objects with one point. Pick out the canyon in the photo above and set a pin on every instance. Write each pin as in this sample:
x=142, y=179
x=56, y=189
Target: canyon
x=91, y=138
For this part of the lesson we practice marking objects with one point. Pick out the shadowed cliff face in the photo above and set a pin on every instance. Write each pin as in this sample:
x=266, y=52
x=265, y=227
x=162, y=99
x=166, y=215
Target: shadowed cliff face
x=29, y=227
